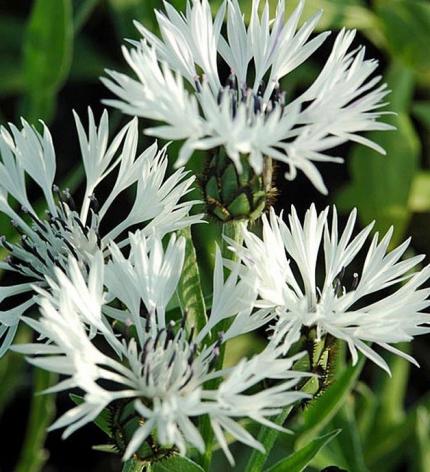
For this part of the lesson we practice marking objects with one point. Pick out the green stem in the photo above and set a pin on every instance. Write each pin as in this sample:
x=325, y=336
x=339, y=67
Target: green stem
x=42, y=410
x=232, y=231
x=190, y=288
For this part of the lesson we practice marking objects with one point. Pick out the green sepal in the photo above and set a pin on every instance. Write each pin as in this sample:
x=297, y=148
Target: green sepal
x=229, y=183
x=240, y=207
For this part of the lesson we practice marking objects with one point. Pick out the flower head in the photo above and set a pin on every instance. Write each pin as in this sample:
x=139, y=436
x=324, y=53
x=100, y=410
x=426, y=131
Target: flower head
x=382, y=303
x=249, y=114
x=47, y=240
x=150, y=362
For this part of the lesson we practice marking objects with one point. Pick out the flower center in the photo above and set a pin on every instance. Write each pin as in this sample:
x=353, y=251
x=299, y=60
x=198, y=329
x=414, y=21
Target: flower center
x=49, y=242
x=256, y=102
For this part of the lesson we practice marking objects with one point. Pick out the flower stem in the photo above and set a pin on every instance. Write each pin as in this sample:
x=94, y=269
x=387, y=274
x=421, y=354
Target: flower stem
x=42, y=410
x=231, y=230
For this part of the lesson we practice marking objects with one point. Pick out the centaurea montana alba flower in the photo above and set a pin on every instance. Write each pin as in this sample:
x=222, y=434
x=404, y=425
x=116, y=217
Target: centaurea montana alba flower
x=155, y=363
x=47, y=240
x=381, y=304
x=178, y=75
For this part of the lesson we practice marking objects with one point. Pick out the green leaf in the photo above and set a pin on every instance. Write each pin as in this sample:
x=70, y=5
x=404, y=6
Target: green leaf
x=176, y=464
x=348, y=442
x=42, y=410
x=388, y=402
x=190, y=290
x=366, y=405
x=48, y=45
x=134, y=466
x=381, y=186
x=388, y=449
x=391, y=391
x=267, y=437
x=422, y=459
x=419, y=199
x=400, y=18
x=106, y=448
x=102, y=420
x=323, y=408
x=300, y=459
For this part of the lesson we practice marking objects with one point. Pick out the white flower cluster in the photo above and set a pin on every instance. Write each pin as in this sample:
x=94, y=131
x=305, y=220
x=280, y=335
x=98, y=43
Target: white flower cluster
x=97, y=279
x=163, y=368
x=46, y=241
x=105, y=286
x=248, y=113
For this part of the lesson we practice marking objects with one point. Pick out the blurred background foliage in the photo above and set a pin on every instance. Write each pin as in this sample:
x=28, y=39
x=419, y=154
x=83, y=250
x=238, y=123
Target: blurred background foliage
x=52, y=53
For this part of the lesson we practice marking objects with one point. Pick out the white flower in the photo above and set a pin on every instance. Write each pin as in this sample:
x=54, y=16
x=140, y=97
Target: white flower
x=149, y=276
x=286, y=259
x=233, y=298
x=247, y=115
x=154, y=363
x=47, y=240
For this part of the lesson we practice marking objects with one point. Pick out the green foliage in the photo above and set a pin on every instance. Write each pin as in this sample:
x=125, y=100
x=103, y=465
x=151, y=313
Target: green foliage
x=381, y=185
x=323, y=408
x=48, y=48
x=398, y=18
x=133, y=466
x=190, y=289
x=176, y=464
x=42, y=411
x=299, y=460
x=422, y=459
x=267, y=437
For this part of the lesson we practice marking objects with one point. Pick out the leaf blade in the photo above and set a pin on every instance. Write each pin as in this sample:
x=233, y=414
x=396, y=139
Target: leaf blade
x=298, y=460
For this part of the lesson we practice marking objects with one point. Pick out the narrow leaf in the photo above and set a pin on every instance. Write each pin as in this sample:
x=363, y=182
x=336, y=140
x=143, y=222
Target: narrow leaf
x=48, y=48
x=190, y=290
x=422, y=459
x=134, y=466
x=300, y=459
x=267, y=437
x=349, y=441
x=176, y=464
x=42, y=410
x=323, y=408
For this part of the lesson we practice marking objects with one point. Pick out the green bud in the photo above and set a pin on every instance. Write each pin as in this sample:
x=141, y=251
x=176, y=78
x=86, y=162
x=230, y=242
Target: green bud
x=232, y=196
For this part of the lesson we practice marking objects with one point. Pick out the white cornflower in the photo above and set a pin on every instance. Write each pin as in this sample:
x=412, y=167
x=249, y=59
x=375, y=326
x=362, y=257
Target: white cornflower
x=382, y=303
x=47, y=240
x=249, y=114
x=153, y=362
